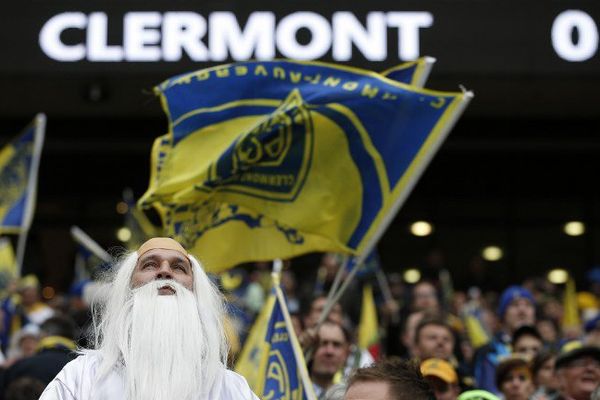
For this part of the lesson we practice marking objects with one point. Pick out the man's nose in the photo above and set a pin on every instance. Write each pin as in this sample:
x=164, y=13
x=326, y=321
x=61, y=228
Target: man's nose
x=329, y=349
x=164, y=271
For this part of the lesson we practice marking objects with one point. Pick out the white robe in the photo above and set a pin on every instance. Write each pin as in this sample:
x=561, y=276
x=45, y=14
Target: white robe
x=76, y=381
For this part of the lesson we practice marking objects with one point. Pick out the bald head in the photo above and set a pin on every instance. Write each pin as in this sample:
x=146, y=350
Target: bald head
x=164, y=243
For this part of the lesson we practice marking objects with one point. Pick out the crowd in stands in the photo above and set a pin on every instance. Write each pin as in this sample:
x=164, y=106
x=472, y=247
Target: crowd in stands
x=520, y=343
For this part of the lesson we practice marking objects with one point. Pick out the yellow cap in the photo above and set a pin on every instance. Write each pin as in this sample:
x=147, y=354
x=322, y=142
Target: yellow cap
x=161, y=243
x=29, y=281
x=586, y=300
x=439, y=368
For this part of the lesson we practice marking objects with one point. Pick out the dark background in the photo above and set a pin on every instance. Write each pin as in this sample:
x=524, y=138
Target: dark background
x=521, y=162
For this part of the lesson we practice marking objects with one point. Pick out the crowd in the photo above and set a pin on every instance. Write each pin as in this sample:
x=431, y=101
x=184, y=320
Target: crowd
x=432, y=341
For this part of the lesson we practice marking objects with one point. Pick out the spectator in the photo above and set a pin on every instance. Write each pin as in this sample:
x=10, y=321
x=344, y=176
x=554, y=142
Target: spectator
x=315, y=309
x=330, y=356
x=408, y=332
x=516, y=308
x=391, y=379
x=312, y=311
x=527, y=341
x=513, y=378
x=434, y=339
x=29, y=290
x=592, y=331
x=23, y=343
x=542, y=370
x=54, y=351
x=425, y=297
x=577, y=371
x=442, y=377
x=549, y=331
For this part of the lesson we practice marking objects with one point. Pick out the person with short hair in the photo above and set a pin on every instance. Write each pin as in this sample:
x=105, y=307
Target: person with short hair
x=513, y=378
x=542, y=370
x=527, y=341
x=160, y=335
x=389, y=379
x=434, y=338
x=577, y=371
x=329, y=359
x=424, y=296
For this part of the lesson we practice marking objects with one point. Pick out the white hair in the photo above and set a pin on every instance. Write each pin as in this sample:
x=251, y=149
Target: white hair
x=164, y=346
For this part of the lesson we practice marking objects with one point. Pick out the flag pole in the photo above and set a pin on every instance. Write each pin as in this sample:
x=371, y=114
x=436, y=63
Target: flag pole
x=300, y=363
x=38, y=143
x=429, y=61
x=410, y=184
x=85, y=240
x=338, y=277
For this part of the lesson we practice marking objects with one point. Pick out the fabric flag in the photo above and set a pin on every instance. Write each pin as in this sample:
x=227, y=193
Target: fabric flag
x=256, y=235
x=8, y=263
x=570, y=310
x=19, y=163
x=302, y=156
x=272, y=361
x=412, y=73
x=474, y=328
x=368, y=327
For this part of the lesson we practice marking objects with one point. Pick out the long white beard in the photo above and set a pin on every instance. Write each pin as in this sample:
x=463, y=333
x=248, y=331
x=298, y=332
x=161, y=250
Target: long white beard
x=162, y=345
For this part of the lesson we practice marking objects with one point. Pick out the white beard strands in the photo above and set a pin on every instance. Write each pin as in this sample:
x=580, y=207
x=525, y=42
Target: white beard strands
x=166, y=353
x=165, y=347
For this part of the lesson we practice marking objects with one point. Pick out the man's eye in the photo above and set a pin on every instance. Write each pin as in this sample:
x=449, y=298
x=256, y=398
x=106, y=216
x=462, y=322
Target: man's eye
x=148, y=265
x=179, y=266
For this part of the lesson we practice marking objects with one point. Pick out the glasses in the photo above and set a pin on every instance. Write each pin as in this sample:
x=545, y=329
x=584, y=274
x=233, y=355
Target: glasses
x=585, y=362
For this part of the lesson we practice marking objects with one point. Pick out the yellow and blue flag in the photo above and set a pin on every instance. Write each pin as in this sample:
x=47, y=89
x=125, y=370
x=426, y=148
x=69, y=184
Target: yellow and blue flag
x=412, y=73
x=296, y=156
x=474, y=327
x=19, y=163
x=272, y=361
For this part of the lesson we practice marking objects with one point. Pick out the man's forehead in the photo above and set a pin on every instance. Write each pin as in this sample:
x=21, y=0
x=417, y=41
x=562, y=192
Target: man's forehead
x=519, y=300
x=332, y=331
x=161, y=254
x=373, y=390
x=161, y=243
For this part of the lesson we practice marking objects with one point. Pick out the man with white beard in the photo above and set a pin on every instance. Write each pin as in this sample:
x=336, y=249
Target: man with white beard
x=159, y=335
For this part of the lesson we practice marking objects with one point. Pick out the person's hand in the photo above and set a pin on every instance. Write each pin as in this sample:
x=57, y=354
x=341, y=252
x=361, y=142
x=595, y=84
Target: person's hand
x=390, y=307
x=308, y=338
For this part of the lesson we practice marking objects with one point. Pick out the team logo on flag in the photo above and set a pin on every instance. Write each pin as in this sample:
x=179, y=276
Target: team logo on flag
x=13, y=177
x=271, y=160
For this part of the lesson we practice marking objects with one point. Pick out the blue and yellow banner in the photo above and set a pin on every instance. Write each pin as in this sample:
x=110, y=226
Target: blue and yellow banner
x=303, y=156
x=272, y=360
x=413, y=73
x=19, y=162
